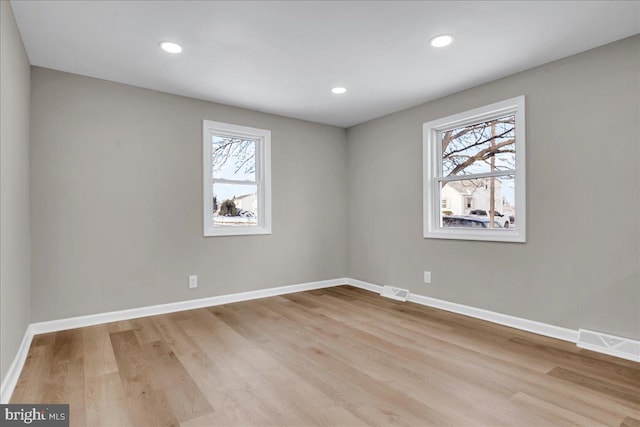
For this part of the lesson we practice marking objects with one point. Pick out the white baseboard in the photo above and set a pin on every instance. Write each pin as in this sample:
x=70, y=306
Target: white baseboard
x=499, y=318
x=479, y=313
x=364, y=285
x=11, y=379
x=13, y=374
x=614, y=346
x=134, y=313
x=608, y=344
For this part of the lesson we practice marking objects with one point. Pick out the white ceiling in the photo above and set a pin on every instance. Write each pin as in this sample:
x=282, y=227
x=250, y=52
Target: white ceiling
x=283, y=57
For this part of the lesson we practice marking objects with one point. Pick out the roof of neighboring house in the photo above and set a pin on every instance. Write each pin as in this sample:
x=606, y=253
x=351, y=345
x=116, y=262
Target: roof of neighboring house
x=244, y=195
x=469, y=188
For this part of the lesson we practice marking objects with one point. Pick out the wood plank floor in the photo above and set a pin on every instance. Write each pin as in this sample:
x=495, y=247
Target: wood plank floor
x=335, y=357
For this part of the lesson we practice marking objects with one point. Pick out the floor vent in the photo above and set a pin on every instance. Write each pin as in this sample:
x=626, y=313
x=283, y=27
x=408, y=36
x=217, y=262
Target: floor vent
x=609, y=344
x=395, y=293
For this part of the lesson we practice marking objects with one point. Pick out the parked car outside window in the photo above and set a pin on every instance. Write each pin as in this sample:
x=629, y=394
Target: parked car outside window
x=469, y=221
x=503, y=219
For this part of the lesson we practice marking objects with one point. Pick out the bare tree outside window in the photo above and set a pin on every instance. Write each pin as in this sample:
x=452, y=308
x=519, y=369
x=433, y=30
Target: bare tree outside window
x=481, y=147
x=478, y=148
x=234, y=154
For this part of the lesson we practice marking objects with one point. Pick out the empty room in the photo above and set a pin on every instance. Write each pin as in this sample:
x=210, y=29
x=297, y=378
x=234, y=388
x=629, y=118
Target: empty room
x=320, y=213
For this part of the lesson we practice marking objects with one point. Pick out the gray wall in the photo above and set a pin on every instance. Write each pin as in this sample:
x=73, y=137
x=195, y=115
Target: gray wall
x=117, y=200
x=579, y=267
x=15, y=240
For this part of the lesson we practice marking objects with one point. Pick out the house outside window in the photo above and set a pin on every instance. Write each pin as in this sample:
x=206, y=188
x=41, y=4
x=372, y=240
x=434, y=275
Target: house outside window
x=476, y=159
x=236, y=179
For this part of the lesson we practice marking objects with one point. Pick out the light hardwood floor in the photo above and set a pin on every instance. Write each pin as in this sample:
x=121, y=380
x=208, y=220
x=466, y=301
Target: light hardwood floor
x=340, y=356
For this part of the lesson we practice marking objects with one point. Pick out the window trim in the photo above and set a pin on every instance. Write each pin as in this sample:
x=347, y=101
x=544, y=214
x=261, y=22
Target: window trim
x=262, y=178
x=432, y=172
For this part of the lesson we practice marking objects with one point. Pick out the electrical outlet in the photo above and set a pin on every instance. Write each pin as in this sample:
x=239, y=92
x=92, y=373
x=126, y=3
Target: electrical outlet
x=427, y=277
x=193, y=282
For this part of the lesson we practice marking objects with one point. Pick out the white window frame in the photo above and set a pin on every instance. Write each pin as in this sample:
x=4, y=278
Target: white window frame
x=262, y=178
x=433, y=175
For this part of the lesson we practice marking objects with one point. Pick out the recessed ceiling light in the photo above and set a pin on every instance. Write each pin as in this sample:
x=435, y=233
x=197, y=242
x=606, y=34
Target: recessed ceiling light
x=338, y=90
x=171, y=47
x=442, y=40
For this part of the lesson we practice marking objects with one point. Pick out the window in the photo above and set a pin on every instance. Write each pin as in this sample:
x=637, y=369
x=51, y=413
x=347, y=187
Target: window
x=468, y=202
x=476, y=160
x=236, y=179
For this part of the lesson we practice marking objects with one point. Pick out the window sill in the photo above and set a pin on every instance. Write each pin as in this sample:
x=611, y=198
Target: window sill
x=235, y=231
x=484, y=235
